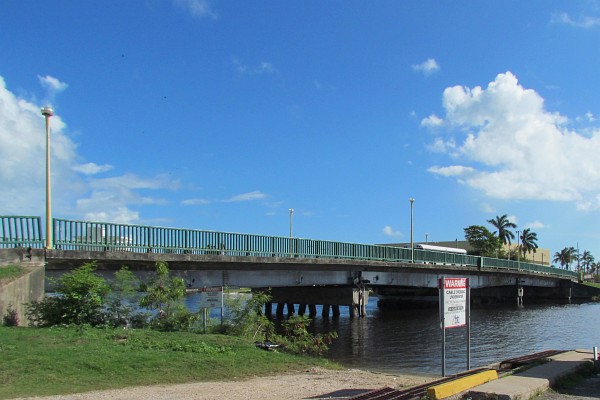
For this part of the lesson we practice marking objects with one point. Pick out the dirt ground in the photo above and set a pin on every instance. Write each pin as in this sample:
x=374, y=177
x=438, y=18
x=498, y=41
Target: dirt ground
x=316, y=383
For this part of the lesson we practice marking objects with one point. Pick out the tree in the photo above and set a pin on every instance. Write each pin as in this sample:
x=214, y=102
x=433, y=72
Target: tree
x=80, y=299
x=587, y=260
x=528, y=241
x=502, y=224
x=482, y=240
x=165, y=294
x=563, y=257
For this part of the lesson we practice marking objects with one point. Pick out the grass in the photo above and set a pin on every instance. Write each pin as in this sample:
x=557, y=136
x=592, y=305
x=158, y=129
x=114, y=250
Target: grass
x=9, y=272
x=592, y=284
x=50, y=361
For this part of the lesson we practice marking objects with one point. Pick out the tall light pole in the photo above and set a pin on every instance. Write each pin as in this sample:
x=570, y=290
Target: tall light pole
x=48, y=112
x=518, y=250
x=291, y=213
x=412, y=247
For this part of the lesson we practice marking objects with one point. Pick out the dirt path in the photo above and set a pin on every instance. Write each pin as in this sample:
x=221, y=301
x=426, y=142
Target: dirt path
x=316, y=383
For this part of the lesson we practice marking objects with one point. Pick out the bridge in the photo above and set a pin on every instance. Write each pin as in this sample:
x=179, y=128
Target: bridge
x=298, y=271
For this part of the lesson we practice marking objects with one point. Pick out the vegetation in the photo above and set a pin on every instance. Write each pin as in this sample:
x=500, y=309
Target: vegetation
x=9, y=272
x=482, y=240
x=59, y=360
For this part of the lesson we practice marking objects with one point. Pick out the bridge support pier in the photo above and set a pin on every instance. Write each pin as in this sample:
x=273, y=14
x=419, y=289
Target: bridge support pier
x=331, y=298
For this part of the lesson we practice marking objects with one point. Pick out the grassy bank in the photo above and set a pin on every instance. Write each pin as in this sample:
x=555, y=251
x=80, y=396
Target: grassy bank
x=67, y=360
x=10, y=272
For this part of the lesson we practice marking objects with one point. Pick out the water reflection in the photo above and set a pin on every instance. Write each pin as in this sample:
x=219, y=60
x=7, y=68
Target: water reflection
x=411, y=340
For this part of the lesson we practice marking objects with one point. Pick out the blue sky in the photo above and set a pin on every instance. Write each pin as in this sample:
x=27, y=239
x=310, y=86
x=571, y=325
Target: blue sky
x=223, y=115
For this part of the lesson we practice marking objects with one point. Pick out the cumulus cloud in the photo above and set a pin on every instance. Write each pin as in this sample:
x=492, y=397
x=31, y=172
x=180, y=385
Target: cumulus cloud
x=511, y=147
x=389, y=231
x=427, y=67
x=197, y=8
x=250, y=196
x=535, y=225
x=432, y=121
x=52, y=84
x=75, y=191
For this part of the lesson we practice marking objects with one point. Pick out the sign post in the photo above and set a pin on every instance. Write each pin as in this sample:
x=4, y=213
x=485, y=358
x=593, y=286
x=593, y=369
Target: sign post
x=210, y=297
x=455, y=312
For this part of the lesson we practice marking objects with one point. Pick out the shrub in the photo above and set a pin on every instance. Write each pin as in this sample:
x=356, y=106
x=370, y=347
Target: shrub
x=80, y=299
x=11, y=318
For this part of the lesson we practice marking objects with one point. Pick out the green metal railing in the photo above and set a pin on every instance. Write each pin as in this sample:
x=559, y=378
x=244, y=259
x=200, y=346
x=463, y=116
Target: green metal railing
x=103, y=236
x=20, y=231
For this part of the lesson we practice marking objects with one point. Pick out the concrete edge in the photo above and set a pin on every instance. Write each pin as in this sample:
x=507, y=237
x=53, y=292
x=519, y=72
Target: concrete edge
x=461, y=384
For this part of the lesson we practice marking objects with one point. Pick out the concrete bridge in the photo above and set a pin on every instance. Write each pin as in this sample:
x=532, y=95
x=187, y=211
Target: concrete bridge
x=302, y=272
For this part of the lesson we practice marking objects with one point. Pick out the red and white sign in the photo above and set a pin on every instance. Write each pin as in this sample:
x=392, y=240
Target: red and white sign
x=211, y=297
x=455, y=302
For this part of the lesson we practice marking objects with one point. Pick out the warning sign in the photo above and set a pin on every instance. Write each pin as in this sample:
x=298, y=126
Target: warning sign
x=211, y=297
x=455, y=302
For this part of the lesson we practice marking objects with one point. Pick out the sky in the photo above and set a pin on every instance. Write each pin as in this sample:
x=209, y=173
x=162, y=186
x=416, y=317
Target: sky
x=224, y=115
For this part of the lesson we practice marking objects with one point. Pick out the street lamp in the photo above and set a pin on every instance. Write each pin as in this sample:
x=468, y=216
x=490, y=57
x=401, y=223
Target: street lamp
x=518, y=250
x=48, y=112
x=291, y=213
x=412, y=247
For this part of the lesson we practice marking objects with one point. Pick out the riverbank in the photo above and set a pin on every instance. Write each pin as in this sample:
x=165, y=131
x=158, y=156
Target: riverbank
x=313, y=383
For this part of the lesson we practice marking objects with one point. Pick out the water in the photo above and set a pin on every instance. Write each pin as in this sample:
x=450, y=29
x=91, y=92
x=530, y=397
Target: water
x=411, y=340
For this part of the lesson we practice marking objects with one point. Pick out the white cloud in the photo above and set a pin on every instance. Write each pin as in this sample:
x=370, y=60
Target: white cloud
x=428, y=67
x=432, y=121
x=75, y=192
x=251, y=196
x=510, y=147
x=195, y=202
x=92, y=168
x=536, y=225
x=52, y=84
x=197, y=8
x=584, y=22
x=453, y=170
x=389, y=231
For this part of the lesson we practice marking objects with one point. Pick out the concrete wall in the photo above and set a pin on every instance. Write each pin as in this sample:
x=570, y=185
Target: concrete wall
x=25, y=289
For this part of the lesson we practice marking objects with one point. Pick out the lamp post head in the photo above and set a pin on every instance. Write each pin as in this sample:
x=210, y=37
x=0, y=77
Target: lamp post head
x=412, y=200
x=291, y=210
x=47, y=111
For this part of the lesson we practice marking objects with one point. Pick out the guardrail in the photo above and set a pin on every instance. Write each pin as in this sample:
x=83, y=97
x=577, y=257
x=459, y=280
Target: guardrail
x=104, y=236
x=20, y=231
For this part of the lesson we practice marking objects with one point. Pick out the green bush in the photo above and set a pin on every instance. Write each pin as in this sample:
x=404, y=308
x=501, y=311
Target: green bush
x=11, y=318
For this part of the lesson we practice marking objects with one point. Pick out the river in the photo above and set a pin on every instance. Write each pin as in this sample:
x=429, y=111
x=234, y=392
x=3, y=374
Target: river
x=410, y=341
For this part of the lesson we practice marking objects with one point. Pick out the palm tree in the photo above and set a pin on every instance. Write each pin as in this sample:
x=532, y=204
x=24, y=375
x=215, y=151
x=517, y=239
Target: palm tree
x=564, y=257
x=502, y=224
x=587, y=260
x=528, y=241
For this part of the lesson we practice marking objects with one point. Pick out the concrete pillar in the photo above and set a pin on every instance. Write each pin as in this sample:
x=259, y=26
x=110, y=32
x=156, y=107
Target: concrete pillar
x=352, y=310
x=279, y=312
x=312, y=310
x=269, y=310
x=325, y=311
x=302, y=309
x=291, y=309
x=520, y=295
x=335, y=311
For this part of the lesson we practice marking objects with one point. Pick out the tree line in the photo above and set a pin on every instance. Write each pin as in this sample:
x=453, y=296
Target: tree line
x=492, y=244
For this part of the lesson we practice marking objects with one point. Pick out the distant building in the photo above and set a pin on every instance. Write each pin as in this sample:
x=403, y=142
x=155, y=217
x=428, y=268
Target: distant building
x=541, y=256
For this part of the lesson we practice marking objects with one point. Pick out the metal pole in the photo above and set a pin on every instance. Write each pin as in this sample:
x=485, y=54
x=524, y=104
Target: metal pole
x=443, y=325
x=48, y=112
x=468, y=324
x=518, y=251
x=412, y=247
x=291, y=213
